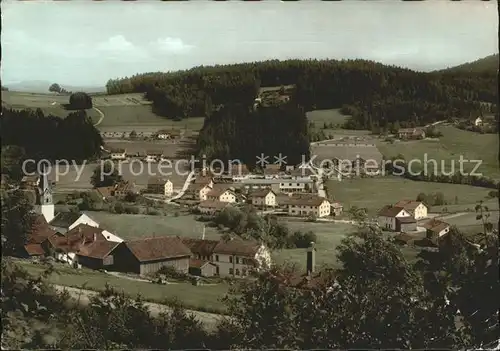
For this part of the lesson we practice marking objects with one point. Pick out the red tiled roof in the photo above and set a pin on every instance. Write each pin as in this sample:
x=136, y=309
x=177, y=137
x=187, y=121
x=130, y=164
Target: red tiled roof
x=195, y=263
x=40, y=230
x=261, y=192
x=34, y=249
x=98, y=249
x=158, y=248
x=77, y=238
x=219, y=189
x=435, y=225
x=306, y=200
x=238, y=247
x=390, y=211
x=200, y=246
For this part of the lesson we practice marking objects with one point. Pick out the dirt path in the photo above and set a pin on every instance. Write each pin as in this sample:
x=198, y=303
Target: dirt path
x=102, y=117
x=83, y=297
x=451, y=215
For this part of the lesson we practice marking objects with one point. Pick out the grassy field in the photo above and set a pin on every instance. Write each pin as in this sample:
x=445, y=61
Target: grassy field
x=202, y=298
x=374, y=193
x=450, y=146
x=469, y=224
x=136, y=226
x=122, y=112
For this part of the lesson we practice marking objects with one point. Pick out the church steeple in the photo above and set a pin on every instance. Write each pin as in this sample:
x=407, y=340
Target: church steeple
x=44, y=203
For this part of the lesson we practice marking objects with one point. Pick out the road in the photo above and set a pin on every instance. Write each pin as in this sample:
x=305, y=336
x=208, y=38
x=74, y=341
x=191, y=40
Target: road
x=83, y=297
x=100, y=119
x=184, y=188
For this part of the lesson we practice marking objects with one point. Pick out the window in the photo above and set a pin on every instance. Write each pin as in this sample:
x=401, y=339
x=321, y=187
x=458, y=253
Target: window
x=244, y=272
x=217, y=270
x=237, y=260
x=237, y=271
x=217, y=259
x=230, y=259
x=231, y=271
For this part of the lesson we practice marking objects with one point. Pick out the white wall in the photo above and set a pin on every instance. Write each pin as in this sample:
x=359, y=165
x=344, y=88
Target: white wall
x=111, y=237
x=84, y=219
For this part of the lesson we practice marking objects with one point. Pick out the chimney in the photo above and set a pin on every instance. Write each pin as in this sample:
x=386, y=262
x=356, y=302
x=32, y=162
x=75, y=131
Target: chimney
x=311, y=258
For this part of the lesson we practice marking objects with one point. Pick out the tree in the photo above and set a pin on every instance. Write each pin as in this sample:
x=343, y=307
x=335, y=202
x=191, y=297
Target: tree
x=12, y=159
x=17, y=220
x=105, y=175
x=80, y=101
x=56, y=88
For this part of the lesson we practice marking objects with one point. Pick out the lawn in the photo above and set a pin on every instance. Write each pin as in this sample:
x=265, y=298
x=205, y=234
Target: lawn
x=374, y=193
x=202, y=298
x=129, y=226
x=453, y=143
x=469, y=224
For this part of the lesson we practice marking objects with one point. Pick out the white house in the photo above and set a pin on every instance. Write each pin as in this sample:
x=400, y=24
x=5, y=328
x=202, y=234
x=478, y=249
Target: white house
x=297, y=185
x=435, y=229
x=308, y=205
x=222, y=195
x=263, y=198
x=237, y=258
x=416, y=208
x=388, y=214
x=65, y=221
x=118, y=154
x=160, y=186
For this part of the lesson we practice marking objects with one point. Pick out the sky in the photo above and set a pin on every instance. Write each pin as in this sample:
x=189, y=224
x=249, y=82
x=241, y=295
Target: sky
x=86, y=43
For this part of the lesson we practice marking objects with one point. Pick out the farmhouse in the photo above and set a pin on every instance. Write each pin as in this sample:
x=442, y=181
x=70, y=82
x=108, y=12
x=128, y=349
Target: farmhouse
x=153, y=155
x=158, y=185
x=416, y=208
x=388, y=214
x=202, y=268
x=221, y=194
x=435, y=229
x=39, y=232
x=336, y=209
x=263, y=198
x=145, y=256
x=97, y=255
x=411, y=133
x=124, y=188
x=198, y=191
x=406, y=224
x=308, y=205
x=235, y=257
x=118, y=154
x=65, y=221
x=212, y=206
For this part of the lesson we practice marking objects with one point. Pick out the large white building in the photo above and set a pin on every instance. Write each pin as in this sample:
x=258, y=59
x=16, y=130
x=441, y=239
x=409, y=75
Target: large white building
x=298, y=185
x=388, y=214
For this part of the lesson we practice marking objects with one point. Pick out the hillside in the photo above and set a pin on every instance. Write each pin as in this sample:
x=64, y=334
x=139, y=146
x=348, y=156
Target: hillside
x=375, y=95
x=486, y=64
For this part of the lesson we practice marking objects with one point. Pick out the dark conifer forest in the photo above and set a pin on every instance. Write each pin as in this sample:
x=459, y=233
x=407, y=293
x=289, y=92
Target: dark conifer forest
x=374, y=94
x=50, y=137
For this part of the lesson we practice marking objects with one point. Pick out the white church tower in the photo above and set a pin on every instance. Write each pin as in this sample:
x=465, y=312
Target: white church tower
x=44, y=204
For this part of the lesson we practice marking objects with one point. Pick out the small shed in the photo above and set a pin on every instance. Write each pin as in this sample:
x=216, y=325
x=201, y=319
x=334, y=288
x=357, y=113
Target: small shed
x=406, y=224
x=202, y=268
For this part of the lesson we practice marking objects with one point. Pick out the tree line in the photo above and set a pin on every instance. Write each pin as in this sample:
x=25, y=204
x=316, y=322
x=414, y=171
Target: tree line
x=374, y=94
x=237, y=132
x=33, y=135
x=375, y=297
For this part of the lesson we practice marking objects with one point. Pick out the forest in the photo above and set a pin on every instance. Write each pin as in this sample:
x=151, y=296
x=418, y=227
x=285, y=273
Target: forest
x=236, y=132
x=37, y=136
x=374, y=94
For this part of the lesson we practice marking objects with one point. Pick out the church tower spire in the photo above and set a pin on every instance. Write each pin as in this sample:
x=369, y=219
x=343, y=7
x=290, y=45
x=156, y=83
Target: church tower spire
x=44, y=203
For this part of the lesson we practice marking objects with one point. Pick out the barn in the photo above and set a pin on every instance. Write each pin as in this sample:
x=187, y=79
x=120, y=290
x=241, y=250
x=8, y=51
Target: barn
x=97, y=255
x=406, y=224
x=202, y=268
x=145, y=256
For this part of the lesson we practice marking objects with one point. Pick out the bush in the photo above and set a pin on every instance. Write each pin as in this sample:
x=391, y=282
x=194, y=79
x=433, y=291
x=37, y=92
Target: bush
x=170, y=272
x=80, y=101
x=493, y=193
x=302, y=240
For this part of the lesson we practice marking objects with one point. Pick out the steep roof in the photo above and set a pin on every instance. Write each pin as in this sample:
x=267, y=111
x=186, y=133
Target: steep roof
x=34, y=249
x=158, y=248
x=65, y=219
x=200, y=246
x=390, y=211
x=98, y=249
x=435, y=225
x=237, y=246
x=78, y=237
x=195, y=263
x=40, y=230
x=306, y=200
x=409, y=205
x=218, y=191
x=261, y=192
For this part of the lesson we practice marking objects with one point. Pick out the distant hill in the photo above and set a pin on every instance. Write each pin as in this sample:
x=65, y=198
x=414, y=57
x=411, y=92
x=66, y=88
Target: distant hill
x=482, y=65
x=41, y=86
